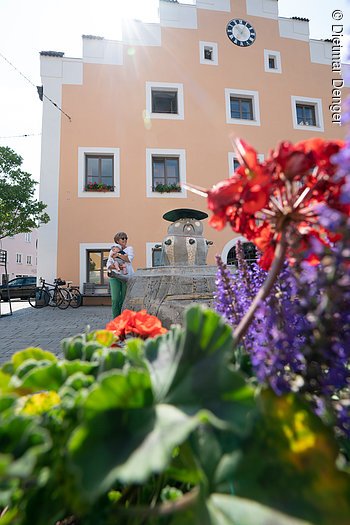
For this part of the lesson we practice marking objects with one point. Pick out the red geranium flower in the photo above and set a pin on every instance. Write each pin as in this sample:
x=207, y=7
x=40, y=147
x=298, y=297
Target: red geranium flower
x=139, y=324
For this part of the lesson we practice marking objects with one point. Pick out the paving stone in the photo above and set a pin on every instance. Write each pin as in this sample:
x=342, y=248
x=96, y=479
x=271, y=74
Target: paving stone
x=46, y=327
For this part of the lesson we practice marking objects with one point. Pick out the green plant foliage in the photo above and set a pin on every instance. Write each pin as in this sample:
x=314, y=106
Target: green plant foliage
x=167, y=188
x=20, y=212
x=160, y=432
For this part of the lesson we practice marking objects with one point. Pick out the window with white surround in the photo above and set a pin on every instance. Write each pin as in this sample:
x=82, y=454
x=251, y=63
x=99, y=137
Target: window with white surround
x=228, y=254
x=18, y=258
x=208, y=53
x=164, y=100
x=272, y=61
x=154, y=256
x=307, y=113
x=242, y=107
x=165, y=172
x=28, y=237
x=98, y=172
x=233, y=162
x=29, y=259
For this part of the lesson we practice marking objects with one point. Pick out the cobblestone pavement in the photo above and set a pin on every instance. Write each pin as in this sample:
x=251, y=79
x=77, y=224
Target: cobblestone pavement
x=45, y=328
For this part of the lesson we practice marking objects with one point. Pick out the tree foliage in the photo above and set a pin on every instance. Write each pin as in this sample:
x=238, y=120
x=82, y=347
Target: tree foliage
x=20, y=212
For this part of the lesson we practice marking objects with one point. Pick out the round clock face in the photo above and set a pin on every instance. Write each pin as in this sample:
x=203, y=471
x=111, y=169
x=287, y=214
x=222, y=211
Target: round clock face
x=240, y=32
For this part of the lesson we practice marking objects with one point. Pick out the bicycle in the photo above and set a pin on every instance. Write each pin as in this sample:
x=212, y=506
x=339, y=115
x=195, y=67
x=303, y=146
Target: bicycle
x=76, y=299
x=54, y=296
x=41, y=297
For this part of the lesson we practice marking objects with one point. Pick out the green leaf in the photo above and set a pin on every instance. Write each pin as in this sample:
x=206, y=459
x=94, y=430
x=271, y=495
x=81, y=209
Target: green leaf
x=36, y=354
x=231, y=510
x=192, y=368
x=48, y=377
x=290, y=444
x=128, y=445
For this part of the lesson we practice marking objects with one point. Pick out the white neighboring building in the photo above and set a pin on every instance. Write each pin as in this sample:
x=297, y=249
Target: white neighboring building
x=21, y=255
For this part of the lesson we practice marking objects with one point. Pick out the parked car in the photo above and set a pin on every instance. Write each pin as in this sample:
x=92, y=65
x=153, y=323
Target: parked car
x=20, y=288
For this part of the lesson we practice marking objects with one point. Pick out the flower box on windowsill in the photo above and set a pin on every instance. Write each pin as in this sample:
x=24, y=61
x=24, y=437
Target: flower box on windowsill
x=167, y=188
x=98, y=187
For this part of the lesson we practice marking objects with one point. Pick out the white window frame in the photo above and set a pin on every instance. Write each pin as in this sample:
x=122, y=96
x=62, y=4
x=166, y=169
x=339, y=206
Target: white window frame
x=149, y=249
x=268, y=53
x=83, y=248
x=28, y=237
x=156, y=152
x=18, y=258
x=29, y=260
x=165, y=86
x=115, y=152
x=253, y=95
x=213, y=45
x=230, y=244
x=233, y=156
x=317, y=103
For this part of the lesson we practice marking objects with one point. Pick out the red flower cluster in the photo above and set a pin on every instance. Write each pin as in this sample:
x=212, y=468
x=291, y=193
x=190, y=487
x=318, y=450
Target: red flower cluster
x=281, y=194
x=138, y=324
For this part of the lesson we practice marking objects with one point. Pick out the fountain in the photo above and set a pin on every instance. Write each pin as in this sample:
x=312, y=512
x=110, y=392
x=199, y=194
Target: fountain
x=183, y=279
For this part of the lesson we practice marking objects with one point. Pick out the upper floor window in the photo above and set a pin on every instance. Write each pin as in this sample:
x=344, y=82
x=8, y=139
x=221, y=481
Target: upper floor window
x=272, y=61
x=18, y=258
x=307, y=113
x=29, y=259
x=242, y=107
x=208, y=53
x=165, y=172
x=28, y=237
x=98, y=172
x=164, y=100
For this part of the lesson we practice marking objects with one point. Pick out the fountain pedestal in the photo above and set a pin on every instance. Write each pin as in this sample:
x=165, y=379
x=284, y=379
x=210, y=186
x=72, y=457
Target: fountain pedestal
x=184, y=278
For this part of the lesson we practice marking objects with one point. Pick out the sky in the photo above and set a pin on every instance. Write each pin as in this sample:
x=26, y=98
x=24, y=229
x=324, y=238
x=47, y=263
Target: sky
x=30, y=26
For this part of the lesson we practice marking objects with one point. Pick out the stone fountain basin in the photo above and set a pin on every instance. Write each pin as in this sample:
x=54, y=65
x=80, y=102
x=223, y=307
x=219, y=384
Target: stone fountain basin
x=166, y=291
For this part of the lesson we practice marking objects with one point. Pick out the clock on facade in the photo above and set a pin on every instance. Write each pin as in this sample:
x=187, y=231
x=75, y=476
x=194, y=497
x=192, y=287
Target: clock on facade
x=240, y=32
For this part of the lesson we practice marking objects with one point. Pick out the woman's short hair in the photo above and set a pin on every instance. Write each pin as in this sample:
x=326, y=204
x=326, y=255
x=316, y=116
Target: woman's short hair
x=119, y=235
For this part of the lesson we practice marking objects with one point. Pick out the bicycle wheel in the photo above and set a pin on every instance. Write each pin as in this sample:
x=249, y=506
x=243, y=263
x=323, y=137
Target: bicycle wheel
x=76, y=298
x=40, y=299
x=54, y=297
x=64, y=298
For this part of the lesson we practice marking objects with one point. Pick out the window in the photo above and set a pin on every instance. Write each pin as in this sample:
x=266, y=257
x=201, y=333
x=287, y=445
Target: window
x=249, y=250
x=165, y=171
x=272, y=61
x=96, y=261
x=233, y=163
x=307, y=113
x=28, y=237
x=98, y=172
x=208, y=53
x=242, y=107
x=29, y=259
x=164, y=100
x=18, y=258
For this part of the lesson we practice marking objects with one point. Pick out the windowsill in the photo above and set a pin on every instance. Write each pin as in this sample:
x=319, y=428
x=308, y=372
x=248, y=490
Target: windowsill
x=308, y=128
x=168, y=194
x=166, y=116
x=98, y=194
x=245, y=122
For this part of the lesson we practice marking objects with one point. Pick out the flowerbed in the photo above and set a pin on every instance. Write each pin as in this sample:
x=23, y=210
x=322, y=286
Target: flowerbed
x=240, y=417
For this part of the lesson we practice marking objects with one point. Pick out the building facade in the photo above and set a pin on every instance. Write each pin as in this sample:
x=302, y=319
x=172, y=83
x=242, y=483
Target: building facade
x=158, y=108
x=21, y=255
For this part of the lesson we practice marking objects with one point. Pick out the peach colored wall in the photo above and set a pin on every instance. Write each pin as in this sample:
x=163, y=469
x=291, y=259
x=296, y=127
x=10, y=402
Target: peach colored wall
x=107, y=111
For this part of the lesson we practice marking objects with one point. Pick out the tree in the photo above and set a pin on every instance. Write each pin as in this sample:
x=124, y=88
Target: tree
x=20, y=212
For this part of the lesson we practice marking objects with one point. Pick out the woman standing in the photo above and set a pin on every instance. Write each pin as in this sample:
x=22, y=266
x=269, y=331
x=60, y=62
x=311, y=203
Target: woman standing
x=118, y=284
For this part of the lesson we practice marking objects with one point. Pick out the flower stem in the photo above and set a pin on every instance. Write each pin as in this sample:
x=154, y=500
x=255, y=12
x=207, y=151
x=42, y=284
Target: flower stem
x=264, y=291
